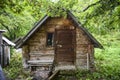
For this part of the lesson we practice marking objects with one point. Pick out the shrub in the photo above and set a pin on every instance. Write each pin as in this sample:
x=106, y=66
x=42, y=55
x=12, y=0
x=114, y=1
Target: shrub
x=15, y=69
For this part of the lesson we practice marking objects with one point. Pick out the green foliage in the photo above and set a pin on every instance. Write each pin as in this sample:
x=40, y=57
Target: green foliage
x=17, y=17
x=60, y=7
x=15, y=70
x=14, y=67
x=101, y=17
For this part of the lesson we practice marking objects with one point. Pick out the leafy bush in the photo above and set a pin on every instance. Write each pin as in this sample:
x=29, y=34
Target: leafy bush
x=15, y=69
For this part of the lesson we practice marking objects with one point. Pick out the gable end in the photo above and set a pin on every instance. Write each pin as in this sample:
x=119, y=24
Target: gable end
x=38, y=25
x=94, y=41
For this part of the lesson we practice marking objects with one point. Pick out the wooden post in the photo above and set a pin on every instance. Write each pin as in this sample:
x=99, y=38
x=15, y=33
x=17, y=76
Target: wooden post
x=88, y=61
x=88, y=57
x=1, y=49
x=25, y=55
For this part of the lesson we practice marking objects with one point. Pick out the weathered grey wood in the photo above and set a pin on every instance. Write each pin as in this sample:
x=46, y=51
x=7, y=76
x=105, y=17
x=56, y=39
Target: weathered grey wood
x=1, y=49
x=4, y=49
x=65, y=67
x=40, y=61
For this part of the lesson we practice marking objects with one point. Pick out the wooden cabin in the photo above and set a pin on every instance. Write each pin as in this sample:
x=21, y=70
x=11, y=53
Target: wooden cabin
x=5, y=45
x=61, y=41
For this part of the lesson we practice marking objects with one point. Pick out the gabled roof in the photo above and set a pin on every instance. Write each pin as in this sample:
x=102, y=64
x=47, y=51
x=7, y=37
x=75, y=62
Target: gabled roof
x=38, y=25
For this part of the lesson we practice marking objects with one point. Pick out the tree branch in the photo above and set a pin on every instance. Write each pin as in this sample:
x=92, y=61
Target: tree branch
x=7, y=28
x=91, y=5
x=87, y=7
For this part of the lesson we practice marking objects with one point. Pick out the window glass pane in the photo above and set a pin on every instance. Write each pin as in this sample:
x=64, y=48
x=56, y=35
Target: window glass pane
x=49, y=39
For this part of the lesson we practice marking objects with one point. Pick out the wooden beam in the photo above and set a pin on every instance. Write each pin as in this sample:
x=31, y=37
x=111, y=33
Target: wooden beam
x=54, y=75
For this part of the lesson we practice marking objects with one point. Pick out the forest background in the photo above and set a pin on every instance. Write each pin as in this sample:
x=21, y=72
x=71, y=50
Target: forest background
x=100, y=17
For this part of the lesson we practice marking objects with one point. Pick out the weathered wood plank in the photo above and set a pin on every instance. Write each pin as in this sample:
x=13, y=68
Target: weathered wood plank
x=40, y=61
x=54, y=75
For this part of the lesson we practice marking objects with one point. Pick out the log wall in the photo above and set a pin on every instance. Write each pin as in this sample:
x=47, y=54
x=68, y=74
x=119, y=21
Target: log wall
x=36, y=45
x=37, y=42
x=84, y=51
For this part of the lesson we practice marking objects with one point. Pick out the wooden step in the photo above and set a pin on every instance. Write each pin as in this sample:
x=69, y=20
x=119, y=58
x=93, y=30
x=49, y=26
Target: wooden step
x=40, y=62
x=42, y=58
x=40, y=65
x=42, y=54
x=65, y=67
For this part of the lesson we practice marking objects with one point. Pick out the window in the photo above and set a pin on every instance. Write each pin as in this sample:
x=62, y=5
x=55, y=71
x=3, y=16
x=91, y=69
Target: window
x=49, y=39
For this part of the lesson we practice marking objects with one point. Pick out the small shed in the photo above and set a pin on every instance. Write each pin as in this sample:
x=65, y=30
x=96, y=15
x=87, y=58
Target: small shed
x=5, y=49
x=62, y=40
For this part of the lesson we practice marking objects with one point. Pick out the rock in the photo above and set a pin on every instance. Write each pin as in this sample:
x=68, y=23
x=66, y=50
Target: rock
x=40, y=75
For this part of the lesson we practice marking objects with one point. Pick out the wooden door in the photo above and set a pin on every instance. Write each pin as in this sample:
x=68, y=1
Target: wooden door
x=65, y=46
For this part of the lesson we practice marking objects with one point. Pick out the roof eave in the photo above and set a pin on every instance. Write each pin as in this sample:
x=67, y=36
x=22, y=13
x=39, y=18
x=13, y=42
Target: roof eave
x=10, y=43
x=25, y=38
x=95, y=42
